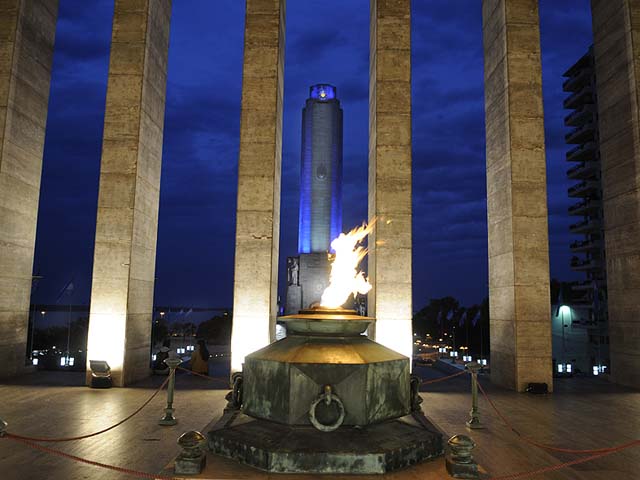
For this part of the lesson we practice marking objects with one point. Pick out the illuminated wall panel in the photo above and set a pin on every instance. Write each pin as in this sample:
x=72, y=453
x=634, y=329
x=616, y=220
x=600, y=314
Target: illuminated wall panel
x=390, y=274
x=259, y=167
x=127, y=220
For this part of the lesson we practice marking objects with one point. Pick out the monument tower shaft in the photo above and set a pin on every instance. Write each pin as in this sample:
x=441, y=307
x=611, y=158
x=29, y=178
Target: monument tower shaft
x=320, y=171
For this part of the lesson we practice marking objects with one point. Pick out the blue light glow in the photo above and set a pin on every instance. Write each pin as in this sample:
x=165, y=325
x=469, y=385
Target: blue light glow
x=322, y=91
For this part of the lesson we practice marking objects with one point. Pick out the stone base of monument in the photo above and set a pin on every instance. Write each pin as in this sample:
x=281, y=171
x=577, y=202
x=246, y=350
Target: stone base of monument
x=374, y=449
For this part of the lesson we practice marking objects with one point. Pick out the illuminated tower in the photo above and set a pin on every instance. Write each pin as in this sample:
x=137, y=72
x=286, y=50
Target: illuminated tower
x=320, y=171
x=320, y=198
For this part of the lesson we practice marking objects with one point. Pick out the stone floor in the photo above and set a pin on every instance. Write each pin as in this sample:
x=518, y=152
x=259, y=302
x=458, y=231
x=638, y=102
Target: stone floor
x=583, y=413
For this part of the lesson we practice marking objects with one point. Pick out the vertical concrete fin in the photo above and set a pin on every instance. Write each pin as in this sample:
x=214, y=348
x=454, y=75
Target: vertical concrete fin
x=27, y=34
x=129, y=193
x=516, y=195
x=390, y=173
x=259, y=169
x=616, y=29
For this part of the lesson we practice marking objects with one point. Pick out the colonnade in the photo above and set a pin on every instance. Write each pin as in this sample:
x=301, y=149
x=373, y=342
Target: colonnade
x=127, y=217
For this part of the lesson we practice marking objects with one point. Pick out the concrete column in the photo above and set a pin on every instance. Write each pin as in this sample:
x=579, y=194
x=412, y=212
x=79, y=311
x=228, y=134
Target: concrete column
x=259, y=166
x=516, y=195
x=27, y=32
x=390, y=299
x=616, y=28
x=127, y=220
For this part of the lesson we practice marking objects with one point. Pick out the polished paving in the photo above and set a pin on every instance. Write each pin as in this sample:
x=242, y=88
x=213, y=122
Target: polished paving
x=582, y=413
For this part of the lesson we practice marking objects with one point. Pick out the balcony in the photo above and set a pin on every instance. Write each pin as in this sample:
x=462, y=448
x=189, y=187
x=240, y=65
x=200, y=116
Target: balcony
x=581, y=97
x=582, y=153
x=584, y=171
x=586, y=226
x=579, y=117
x=582, y=246
x=586, y=265
x=586, y=285
x=577, y=82
x=586, y=188
x=585, y=207
x=581, y=135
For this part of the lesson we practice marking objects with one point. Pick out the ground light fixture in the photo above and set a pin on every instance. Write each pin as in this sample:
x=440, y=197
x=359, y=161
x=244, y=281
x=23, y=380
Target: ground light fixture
x=100, y=374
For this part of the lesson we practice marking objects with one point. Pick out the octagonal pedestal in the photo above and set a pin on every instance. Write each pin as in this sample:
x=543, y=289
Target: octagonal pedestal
x=282, y=380
x=375, y=449
x=355, y=392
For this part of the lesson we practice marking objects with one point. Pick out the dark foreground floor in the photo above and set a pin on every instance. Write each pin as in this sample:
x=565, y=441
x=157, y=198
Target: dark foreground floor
x=583, y=413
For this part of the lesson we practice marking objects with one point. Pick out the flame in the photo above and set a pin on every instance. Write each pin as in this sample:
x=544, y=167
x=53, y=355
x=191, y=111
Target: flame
x=345, y=278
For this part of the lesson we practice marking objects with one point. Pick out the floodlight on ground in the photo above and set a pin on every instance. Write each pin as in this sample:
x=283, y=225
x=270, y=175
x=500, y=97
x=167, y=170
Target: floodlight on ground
x=100, y=374
x=34, y=361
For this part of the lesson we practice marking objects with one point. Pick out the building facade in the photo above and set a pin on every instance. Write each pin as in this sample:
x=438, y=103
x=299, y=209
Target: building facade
x=590, y=294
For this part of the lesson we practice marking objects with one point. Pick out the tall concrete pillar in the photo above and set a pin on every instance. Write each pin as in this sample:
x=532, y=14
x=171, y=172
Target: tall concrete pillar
x=127, y=220
x=259, y=166
x=616, y=28
x=27, y=33
x=390, y=300
x=519, y=302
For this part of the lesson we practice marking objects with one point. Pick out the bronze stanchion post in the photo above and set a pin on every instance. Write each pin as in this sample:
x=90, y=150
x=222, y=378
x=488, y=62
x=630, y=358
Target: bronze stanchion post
x=474, y=420
x=169, y=419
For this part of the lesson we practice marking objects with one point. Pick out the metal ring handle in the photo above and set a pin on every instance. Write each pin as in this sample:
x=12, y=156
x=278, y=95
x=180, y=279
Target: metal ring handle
x=327, y=397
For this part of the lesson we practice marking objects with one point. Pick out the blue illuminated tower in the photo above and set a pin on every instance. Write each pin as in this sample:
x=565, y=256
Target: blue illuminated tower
x=320, y=171
x=320, y=198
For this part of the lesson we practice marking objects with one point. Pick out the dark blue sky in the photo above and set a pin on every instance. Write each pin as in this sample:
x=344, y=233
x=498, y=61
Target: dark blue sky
x=327, y=41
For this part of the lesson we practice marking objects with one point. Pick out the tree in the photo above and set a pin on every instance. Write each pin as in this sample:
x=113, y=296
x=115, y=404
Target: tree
x=216, y=330
x=427, y=319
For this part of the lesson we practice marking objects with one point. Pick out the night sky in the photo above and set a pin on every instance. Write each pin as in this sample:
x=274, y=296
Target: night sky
x=326, y=42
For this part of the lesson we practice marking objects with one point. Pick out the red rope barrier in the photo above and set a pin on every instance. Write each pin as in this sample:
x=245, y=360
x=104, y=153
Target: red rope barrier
x=442, y=379
x=594, y=451
x=553, y=468
x=221, y=379
x=69, y=439
x=59, y=453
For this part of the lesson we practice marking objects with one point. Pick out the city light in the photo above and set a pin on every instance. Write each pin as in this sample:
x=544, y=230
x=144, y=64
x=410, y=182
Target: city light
x=34, y=361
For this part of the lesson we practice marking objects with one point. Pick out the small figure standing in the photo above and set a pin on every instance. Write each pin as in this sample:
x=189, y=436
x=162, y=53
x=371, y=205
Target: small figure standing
x=294, y=269
x=200, y=359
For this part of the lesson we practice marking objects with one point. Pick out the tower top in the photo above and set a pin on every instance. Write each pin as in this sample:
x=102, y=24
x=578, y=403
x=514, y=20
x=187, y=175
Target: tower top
x=322, y=91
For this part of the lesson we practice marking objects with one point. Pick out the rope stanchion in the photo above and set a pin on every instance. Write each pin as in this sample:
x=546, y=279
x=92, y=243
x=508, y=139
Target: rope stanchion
x=593, y=451
x=442, y=379
x=25, y=439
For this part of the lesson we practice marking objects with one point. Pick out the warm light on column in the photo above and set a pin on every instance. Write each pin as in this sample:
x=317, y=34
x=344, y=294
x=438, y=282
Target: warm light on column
x=249, y=334
x=106, y=339
x=395, y=334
